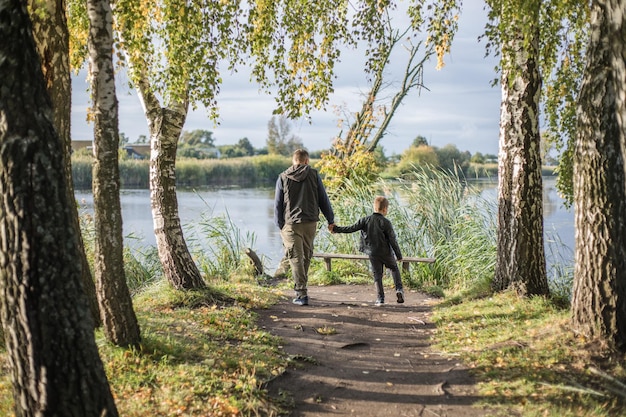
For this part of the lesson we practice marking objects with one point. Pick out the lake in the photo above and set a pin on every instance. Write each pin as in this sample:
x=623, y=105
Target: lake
x=252, y=210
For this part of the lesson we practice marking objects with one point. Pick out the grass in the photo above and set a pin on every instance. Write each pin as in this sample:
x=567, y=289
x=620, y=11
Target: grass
x=201, y=350
x=525, y=357
x=201, y=354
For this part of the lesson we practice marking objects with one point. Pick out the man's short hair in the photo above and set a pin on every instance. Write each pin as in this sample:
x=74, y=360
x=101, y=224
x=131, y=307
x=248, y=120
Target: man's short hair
x=300, y=156
x=380, y=203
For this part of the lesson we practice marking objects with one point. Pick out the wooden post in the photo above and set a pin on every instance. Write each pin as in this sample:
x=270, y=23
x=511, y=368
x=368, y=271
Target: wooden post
x=327, y=261
x=258, y=265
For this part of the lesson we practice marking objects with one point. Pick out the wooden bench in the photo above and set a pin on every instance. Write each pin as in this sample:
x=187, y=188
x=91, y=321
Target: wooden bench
x=405, y=261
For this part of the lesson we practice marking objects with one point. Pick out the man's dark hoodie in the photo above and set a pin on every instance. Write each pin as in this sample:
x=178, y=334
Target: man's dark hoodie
x=299, y=197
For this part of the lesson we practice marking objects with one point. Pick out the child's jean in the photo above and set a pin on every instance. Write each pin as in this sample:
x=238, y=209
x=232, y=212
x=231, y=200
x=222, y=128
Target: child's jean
x=378, y=263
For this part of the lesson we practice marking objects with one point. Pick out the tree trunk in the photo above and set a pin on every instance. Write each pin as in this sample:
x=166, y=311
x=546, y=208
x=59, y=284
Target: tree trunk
x=52, y=40
x=521, y=262
x=178, y=265
x=599, y=294
x=165, y=125
x=54, y=363
x=118, y=316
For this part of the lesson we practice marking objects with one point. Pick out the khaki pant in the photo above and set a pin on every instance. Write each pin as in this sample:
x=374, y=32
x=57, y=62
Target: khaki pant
x=298, y=242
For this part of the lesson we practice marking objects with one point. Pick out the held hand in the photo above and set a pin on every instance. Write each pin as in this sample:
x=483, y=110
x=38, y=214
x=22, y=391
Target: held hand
x=331, y=228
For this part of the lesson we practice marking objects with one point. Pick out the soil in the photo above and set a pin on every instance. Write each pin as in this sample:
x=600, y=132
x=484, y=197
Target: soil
x=350, y=357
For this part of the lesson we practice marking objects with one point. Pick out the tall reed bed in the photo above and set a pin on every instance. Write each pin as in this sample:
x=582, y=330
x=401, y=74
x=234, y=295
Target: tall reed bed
x=219, y=246
x=441, y=215
x=142, y=266
x=455, y=225
x=196, y=173
x=434, y=215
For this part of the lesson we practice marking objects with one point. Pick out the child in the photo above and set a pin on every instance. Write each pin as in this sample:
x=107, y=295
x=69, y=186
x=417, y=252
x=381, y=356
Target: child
x=378, y=240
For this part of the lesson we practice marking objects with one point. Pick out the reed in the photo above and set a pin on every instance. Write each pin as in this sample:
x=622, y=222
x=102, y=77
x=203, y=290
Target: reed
x=134, y=173
x=246, y=171
x=560, y=268
x=142, y=266
x=219, y=246
x=82, y=166
x=438, y=214
x=434, y=214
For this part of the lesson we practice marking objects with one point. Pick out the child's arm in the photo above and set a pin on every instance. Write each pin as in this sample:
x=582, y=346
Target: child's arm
x=349, y=229
x=393, y=242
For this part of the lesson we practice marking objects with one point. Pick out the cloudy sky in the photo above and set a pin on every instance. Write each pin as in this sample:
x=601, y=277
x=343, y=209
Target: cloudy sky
x=460, y=106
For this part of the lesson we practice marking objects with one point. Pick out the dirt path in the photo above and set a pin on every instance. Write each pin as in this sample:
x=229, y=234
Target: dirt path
x=352, y=358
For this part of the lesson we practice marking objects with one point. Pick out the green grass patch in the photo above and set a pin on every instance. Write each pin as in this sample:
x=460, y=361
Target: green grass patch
x=525, y=357
x=343, y=272
x=201, y=354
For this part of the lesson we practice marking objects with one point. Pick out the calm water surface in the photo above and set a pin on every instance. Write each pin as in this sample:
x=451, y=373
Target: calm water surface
x=251, y=210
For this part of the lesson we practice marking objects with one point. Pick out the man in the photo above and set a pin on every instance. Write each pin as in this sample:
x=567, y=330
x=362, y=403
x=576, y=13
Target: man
x=300, y=195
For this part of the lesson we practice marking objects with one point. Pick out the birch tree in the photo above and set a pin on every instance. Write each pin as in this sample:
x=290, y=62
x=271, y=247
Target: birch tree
x=49, y=337
x=173, y=51
x=118, y=317
x=521, y=261
x=599, y=294
x=52, y=40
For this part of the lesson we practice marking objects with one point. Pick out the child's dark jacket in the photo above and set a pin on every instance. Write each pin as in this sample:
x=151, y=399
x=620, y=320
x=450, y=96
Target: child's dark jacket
x=377, y=236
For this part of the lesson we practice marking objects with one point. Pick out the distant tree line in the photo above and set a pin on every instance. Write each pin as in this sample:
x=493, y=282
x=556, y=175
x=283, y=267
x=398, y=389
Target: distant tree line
x=201, y=144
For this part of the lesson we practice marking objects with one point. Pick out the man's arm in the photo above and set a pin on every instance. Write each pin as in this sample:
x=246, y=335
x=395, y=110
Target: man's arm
x=324, y=201
x=279, y=204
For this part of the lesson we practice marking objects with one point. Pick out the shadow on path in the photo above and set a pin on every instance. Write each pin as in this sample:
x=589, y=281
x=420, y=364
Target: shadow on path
x=352, y=358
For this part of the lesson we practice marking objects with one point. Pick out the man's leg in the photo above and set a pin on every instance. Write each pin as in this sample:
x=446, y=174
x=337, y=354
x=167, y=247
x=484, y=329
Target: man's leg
x=292, y=241
x=307, y=231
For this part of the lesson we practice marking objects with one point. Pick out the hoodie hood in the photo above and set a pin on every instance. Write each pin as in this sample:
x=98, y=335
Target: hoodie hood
x=297, y=172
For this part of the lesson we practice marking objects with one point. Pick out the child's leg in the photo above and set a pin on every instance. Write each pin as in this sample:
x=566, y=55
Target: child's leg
x=397, y=279
x=377, y=270
x=395, y=272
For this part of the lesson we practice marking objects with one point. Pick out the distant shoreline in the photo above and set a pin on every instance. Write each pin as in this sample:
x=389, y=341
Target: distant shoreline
x=247, y=172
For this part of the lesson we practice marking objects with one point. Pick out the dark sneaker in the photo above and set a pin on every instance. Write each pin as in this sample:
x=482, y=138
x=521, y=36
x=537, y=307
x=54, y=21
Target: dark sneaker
x=400, y=295
x=301, y=301
x=379, y=302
